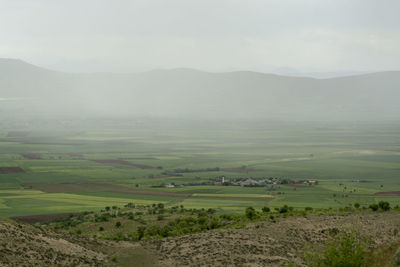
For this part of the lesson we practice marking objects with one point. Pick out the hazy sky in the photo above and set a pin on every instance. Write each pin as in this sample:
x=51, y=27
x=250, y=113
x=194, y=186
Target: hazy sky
x=216, y=35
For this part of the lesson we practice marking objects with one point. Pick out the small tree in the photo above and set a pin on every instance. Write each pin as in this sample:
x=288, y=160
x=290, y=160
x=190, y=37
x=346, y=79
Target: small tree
x=211, y=211
x=101, y=228
x=284, y=209
x=374, y=207
x=384, y=205
x=140, y=232
x=266, y=209
x=250, y=213
x=118, y=224
x=357, y=205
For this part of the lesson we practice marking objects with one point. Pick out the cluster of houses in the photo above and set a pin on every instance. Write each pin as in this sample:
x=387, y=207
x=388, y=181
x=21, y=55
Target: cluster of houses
x=250, y=182
x=264, y=181
x=173, y=185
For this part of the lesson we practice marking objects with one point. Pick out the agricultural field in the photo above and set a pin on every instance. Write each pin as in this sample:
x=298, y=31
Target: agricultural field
x=49, y=167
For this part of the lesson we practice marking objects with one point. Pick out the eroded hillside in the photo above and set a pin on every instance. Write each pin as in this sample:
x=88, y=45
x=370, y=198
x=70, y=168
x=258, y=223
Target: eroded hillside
x=276, y=243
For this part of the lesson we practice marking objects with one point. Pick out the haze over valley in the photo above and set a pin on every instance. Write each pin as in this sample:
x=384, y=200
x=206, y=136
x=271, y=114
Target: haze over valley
x=188, y=93
x=200, y=133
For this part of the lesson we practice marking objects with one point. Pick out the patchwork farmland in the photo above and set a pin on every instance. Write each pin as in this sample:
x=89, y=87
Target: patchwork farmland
x=179, y=163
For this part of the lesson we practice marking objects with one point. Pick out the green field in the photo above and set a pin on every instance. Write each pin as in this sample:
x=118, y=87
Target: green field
x=69, y=166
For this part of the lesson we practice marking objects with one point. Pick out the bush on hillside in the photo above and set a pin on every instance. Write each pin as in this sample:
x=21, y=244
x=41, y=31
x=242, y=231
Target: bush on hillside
x=250, y=213
x=345, y=250
x=384, y=205
x=374, y=207
x=266, y=209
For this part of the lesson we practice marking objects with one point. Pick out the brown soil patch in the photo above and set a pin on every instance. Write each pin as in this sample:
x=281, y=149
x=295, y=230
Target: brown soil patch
x=71, y=187
x=388, y=194
x=153, y=193
x=379, y=194
x=41, y=218
x=5, y=170
x=161, y=176
x=50, y=143
x=123, y=162
x=31, y=155
x=138, y=158
x=266, y=199
x=238, y=170
x=118, y=142
x=297, y=185
x=76, y=155
x=17, y=134
x=97, y=187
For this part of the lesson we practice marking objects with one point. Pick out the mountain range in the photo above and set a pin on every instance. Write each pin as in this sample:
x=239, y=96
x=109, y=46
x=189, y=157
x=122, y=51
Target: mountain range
x=188, y=93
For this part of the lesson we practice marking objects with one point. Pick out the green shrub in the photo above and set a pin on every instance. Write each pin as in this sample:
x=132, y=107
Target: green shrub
x=384, y=205
x=284, y=209
x=250, y=213
x=345, y=250
x=140, y=232
x=266, y=209
x=396, y=258
x=374, y=207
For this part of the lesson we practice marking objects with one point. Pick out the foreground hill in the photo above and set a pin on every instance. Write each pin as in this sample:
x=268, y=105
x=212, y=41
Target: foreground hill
x=25, y=245
x=277, y=240
x=280, y=243
x=191, y=93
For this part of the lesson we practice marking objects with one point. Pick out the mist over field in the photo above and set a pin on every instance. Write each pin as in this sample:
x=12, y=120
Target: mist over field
x=195, y=94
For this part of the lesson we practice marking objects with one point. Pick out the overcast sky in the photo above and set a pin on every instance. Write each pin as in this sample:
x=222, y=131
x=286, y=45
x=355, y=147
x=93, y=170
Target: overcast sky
x=214, y=35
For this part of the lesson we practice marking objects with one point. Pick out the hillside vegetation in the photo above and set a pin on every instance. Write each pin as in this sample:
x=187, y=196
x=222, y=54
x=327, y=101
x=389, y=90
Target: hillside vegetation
x=256, y=238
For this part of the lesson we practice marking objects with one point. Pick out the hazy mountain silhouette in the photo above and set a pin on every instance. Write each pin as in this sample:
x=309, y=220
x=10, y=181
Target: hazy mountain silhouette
x=191, y=93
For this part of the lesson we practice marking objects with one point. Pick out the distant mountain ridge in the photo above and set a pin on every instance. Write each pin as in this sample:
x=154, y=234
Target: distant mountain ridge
x=189, y=93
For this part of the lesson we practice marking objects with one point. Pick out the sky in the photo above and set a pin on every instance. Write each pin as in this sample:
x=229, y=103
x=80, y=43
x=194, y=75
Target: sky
x=211, y=35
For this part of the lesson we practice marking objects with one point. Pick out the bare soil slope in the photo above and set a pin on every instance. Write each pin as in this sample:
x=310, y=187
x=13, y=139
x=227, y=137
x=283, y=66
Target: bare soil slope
x=272, y=244
x=25, y=245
